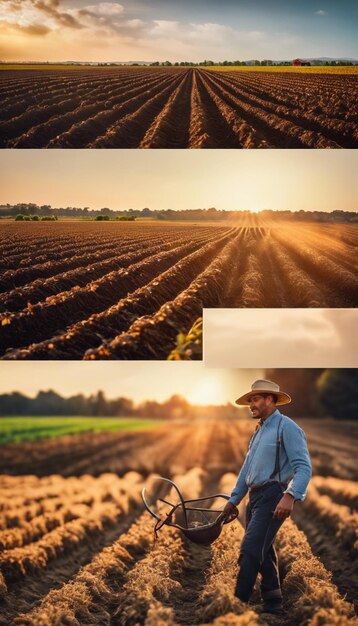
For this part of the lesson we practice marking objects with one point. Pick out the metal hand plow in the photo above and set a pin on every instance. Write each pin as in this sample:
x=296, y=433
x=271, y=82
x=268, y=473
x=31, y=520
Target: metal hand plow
x=194, y=518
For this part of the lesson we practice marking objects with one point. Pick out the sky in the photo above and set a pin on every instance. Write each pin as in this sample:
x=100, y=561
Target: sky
x=149, y=30
x=272, y=337
x=131, y=379
x=321, y=180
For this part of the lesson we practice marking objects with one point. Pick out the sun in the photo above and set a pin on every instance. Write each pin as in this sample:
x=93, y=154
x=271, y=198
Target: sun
x=207, y=391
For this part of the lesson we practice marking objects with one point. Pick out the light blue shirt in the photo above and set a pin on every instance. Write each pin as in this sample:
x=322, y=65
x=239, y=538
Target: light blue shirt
x=259, y=464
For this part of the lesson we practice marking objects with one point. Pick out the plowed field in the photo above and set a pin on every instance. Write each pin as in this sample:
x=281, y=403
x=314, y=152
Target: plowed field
x=177, y=108
x=77, y=546
x=123, y=291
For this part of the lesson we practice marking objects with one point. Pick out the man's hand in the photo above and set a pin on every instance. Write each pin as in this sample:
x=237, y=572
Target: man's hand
x=230, y=511
x=284, y=507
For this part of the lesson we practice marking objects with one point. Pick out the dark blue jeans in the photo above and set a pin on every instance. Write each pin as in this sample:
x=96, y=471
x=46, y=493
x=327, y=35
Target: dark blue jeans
x=257, y=553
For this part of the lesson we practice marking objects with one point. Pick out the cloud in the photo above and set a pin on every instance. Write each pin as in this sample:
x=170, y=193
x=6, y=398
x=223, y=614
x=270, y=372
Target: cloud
x=105, y=8
x=321, y=12
x=36, y=17
x=25, y=14
x=283, y=338
x=110, y=19
x=31, y=29
x=117, y=32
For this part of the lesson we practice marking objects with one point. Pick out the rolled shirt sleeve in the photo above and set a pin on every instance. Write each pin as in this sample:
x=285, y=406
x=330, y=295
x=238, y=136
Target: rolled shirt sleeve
x=294, y=441
x=241, y=488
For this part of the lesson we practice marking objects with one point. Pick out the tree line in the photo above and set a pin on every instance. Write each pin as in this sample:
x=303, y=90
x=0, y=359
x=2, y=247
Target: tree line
x=205, y=63
x=255, y=62
x=105, y=213
x=50, y=403
x=315, y=393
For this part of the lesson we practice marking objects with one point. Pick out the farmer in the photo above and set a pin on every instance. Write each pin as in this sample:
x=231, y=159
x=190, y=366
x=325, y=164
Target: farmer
x=276, y=472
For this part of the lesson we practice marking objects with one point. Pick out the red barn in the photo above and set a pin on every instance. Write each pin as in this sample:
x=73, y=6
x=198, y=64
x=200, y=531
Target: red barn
x=300, y=62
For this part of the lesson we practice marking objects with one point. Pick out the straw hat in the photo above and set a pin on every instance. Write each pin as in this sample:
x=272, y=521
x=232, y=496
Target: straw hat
x=264, y=386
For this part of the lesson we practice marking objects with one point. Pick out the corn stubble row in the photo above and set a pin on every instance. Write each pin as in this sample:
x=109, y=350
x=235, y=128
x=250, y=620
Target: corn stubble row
x=136, y=581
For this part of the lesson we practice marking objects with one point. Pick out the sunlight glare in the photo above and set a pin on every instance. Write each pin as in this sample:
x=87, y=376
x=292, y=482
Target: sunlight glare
x=207, y=391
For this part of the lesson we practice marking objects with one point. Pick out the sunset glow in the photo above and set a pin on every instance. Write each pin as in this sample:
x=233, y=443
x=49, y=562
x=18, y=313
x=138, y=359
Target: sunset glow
x=132, y=379
x=253, y=180
x=91, y=30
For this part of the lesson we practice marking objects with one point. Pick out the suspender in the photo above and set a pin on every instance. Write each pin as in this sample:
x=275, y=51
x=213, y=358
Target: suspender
x=279, y=443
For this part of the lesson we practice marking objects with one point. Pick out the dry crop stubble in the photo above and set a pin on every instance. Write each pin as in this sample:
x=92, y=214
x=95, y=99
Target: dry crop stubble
x=124, y=291
x=112, y=573
x=178, y=108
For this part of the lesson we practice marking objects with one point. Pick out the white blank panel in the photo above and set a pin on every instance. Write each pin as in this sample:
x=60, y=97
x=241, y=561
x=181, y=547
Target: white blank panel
x=267, y=338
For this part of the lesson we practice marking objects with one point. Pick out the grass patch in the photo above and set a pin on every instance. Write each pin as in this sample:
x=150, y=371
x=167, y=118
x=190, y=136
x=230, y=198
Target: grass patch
x=16, y=429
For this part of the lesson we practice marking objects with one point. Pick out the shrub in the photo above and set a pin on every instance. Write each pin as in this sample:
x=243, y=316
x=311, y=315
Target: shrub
x=337, y=392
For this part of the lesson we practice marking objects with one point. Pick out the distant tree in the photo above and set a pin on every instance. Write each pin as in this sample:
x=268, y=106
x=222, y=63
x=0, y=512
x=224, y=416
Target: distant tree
x=175, y=407
x=49, y=403
x=150, y=408
x=99, y=404
x=19, y=217
x=121, y=407
x=14, y=404
x=338, y=393
x=35, y=218
x=300, y=384
x=77, y=405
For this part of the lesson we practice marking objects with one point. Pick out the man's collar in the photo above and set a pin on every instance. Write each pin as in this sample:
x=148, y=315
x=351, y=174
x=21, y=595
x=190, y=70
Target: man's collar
x=270, y=418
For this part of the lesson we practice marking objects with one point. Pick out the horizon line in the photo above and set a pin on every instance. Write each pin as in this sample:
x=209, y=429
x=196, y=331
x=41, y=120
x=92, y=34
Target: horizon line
x=176, y=210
